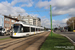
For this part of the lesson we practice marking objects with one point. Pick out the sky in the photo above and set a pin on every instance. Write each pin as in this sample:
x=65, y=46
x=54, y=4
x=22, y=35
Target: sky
x=62, y=10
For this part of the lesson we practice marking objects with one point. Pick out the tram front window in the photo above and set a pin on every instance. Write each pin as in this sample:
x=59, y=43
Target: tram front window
x=16, y=28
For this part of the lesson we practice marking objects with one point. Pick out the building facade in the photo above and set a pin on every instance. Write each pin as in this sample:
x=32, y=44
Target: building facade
x=32, y=20
x=9, y=21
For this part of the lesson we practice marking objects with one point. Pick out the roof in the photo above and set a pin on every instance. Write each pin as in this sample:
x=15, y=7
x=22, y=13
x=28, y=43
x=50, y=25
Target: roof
x=11, y=17
x=24, y=24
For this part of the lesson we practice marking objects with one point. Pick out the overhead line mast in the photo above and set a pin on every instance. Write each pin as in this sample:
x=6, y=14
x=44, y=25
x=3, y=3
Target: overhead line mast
x=51, y=18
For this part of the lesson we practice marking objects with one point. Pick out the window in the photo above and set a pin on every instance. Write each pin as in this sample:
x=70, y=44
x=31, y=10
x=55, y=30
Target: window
x=34, y=21
x=26, y=29
x=12, y=20
x=27, y=22
x=7, y=25
x=16, y=28
x=25, y=19
x=31, y=19
x=32, y=29
x=31, y=24
x=7, y=19
x=37, y=29
x=24, y=22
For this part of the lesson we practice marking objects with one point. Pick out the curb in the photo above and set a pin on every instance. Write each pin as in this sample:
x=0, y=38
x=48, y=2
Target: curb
x=68, y=38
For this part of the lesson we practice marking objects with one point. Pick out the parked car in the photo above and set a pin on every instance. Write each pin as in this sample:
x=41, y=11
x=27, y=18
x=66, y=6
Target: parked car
x=4, y=31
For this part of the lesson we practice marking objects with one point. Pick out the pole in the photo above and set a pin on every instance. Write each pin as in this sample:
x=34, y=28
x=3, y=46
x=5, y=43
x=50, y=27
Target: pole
x=73, y=25
x=51, y=19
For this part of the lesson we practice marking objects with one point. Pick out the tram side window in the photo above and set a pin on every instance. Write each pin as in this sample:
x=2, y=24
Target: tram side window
x=21, y=29
x=25, y=29
x=32, y=29
x=36, y=29
x=39, y=29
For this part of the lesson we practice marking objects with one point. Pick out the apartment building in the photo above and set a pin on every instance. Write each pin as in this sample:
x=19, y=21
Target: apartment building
x=32, y=20
x=8, y=21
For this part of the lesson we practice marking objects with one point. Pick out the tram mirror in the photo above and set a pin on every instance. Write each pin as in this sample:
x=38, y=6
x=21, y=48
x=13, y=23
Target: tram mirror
x=22, y=29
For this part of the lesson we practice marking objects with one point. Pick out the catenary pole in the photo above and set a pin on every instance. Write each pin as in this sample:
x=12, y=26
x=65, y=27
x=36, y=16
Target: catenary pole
x=73, y=25
x=51, y=18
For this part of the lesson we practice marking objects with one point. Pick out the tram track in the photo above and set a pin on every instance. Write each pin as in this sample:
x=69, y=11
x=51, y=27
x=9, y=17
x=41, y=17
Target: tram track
x=28, y=43
x=7, y=44
x=11, y=39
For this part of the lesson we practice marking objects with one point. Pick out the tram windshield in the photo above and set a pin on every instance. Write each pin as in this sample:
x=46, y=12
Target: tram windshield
x=16, y=28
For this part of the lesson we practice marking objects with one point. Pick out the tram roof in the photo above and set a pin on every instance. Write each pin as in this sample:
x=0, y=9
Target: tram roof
x=27, y=25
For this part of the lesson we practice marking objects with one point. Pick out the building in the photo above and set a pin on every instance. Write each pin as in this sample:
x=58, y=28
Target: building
x=7, y=21
x=32, y=20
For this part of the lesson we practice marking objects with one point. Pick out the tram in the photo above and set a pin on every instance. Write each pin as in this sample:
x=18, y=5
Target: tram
x=21, y=29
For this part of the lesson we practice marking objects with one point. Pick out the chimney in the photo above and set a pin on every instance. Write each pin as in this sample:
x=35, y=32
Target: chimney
x=9, y=15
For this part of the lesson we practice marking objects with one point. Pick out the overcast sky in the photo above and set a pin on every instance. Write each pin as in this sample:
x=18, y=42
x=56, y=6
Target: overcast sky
x=62, y=10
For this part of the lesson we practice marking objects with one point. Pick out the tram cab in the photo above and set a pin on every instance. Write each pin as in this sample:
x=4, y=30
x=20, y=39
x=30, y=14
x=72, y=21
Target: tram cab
x=17, y=30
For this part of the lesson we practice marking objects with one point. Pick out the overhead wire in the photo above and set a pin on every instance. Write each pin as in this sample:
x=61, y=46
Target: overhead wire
x=39, y=11
x=34, y=7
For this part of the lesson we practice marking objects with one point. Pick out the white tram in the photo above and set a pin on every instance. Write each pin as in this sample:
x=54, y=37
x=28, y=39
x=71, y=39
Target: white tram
x=20, y=29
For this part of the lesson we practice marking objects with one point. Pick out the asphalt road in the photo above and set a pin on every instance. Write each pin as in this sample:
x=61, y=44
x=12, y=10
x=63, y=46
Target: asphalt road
x=71, y=35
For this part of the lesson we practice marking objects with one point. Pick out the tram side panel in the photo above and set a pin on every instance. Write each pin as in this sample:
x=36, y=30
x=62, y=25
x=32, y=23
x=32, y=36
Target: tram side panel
x=25, y=31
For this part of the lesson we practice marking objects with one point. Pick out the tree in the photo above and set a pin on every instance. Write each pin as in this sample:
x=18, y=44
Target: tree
x=70, y=28
x=45, y=28
x=71, y=23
